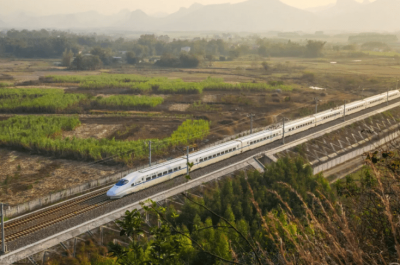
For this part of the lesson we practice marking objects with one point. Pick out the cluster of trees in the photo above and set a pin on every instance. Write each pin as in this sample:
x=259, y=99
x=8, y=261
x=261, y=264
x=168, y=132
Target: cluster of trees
x=373, y=37
x=290, y=49
x=184, y=60
x=56, y=44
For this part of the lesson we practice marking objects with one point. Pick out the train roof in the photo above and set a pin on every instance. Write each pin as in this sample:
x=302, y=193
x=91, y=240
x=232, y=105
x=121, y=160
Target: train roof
x=173, y=162
x=355, y=103
x=328, y=112
x=375, y=97
x=300, y=121
x=253, y=135
x=214, y=149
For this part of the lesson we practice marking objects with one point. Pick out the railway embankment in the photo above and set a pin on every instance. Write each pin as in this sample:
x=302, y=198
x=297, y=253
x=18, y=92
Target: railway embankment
x=42, y=229
x=335, y=149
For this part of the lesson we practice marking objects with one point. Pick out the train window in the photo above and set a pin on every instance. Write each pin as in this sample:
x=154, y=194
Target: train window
x=176, y=169
x=210, y=157
x=133, y=184
x=165, y=173
x=205, y=159
x=160, y=174
x=214, y=155
x=179, y=168
x=122, y=182
x=149, y=178
x=170, y=171
x=154, y=176
x=218, y=154
x=201, y=160
x=234, y=149
x=230, y=150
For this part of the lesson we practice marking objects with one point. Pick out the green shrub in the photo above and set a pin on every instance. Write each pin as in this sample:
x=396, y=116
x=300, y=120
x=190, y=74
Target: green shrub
x=130, y=101
x=44, y=135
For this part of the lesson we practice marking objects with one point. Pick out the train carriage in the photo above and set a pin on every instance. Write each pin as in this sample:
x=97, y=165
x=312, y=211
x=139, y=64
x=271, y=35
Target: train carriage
x=259, y=139
x=297, y=126
x=328, y=115
x=214, y=154
x=375, y=100
x=392, y=94
x=355, y=107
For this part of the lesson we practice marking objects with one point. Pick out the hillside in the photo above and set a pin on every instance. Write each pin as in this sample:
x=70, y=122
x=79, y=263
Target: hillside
x=250, y=16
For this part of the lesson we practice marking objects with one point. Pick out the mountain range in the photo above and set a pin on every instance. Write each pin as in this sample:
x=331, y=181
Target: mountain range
x=249, y=16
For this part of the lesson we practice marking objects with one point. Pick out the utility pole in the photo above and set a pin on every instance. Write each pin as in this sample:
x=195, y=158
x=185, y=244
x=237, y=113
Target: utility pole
x=316, y=104
x=150, y=153
x=251, y=123
x=283, y=136
x=3, y=237
x=387, y=97
x=187, y=160
x=344, y=111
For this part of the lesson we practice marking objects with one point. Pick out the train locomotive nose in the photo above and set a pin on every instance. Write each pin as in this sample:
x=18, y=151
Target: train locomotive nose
x=113, y=192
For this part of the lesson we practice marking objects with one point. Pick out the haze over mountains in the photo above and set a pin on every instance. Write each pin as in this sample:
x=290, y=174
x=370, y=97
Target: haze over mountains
x=250, y=16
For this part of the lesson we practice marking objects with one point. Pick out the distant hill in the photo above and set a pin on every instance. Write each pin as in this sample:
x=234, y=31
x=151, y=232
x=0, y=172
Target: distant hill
x=248, y=16
x=381, y=15
x=318, y=9
x=252, y=15
x=2, y=24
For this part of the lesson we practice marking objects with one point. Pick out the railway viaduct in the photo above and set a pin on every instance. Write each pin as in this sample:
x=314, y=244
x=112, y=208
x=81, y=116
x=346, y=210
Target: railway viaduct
x=37, y=231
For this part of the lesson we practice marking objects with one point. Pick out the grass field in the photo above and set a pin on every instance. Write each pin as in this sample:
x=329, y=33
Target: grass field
x=141, y=84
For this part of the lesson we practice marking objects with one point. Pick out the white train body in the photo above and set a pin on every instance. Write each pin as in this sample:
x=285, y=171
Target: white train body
x=151, y=176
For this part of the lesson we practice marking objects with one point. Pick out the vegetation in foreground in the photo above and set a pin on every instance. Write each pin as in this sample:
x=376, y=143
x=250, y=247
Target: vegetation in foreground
x=44, y=135
x=284, y=216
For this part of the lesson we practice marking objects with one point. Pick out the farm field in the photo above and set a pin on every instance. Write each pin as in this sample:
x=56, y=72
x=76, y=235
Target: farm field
x=65, y=119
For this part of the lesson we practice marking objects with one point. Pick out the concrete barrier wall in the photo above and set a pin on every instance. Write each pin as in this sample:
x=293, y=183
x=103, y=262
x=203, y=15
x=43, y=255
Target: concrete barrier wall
x=46, y=200
x=356, y=153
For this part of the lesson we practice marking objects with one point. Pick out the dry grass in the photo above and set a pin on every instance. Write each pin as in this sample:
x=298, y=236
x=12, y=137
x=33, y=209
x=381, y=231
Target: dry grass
x=362, y=227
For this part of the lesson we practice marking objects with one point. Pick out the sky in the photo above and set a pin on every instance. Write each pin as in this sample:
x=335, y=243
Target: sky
x=49, y=7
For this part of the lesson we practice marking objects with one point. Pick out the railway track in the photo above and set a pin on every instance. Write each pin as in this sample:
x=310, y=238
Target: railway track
x=41, y=224
x=20, y=227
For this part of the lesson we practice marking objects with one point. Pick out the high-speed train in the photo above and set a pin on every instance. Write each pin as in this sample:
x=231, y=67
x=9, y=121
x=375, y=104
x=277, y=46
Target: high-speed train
x=150, y=176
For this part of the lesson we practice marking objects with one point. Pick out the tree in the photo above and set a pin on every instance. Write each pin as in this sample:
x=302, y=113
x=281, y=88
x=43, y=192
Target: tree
x=265, y=65
x=131, y=58
x=67, y=57
x=86, y=62
x=188, y=60
x=103, y=54
x=314, y=48
x=168, y=60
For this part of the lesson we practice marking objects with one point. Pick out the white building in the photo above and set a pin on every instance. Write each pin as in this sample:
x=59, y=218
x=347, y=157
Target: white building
x=185, y=49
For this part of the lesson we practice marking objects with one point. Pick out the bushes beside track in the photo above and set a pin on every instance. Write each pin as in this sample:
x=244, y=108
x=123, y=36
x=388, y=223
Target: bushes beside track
x=44, y=135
